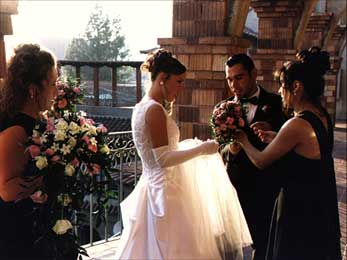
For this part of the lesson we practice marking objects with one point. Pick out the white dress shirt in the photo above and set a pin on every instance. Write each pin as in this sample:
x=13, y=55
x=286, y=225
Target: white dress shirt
x=250, y=108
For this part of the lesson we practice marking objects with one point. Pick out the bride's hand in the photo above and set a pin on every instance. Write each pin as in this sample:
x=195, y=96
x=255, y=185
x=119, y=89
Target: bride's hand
x=209, y=147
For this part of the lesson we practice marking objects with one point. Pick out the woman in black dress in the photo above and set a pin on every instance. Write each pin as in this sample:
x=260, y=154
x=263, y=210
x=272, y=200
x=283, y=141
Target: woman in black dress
x=28, y=89
x=305, y=223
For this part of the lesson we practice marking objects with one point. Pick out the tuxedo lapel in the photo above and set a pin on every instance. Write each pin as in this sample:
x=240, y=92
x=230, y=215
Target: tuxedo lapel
x=259, y=113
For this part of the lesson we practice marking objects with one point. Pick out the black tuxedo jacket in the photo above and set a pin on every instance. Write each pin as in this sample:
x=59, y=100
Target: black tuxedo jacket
x=257, y=190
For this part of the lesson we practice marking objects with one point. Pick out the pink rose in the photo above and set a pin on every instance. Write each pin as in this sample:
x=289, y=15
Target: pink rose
x=82, y=121
x=92, y=148
x=34, y=151
x=77, y=90
x=55, y=158
x=62, y=103
x=49, y=152
x=101, y=128
x=50, y=125
x=86, y=139
x=39, y=197
x=230, y=120
x=90, y=121
x=75, y=162
x=241, y=122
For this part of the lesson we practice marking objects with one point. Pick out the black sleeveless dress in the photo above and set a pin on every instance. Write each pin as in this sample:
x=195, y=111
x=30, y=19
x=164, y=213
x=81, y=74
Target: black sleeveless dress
x=305, y=222
x=17, y=233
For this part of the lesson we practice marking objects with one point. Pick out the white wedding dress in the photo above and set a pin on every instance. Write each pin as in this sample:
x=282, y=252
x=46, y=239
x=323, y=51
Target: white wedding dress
x=188, y=211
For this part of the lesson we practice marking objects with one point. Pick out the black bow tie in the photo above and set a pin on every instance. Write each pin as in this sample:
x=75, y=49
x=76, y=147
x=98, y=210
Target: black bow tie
x=253, y=100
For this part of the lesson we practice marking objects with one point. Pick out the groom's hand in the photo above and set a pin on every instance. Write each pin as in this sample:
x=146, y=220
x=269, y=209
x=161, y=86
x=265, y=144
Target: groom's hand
x=235, y=148
x=261, y=125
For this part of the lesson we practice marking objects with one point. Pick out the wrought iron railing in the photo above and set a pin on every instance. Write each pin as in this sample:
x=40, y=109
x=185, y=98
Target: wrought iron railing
x=112, y=65
x=125, y=171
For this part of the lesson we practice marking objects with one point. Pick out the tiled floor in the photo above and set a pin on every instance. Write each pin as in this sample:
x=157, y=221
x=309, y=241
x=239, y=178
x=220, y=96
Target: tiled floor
x=106, y=251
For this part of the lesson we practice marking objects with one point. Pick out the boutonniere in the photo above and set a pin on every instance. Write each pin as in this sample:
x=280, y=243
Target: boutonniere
x=266, y=108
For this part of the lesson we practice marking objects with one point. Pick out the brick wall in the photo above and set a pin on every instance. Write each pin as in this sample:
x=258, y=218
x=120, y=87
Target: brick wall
x=205, y=84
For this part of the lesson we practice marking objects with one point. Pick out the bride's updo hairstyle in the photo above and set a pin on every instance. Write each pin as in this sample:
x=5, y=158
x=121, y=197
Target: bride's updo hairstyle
x=29, y=65
x=162, y=60
x=309, y=68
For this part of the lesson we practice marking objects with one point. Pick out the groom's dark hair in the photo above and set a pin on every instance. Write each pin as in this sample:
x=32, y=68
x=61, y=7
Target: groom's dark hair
x=241, y=58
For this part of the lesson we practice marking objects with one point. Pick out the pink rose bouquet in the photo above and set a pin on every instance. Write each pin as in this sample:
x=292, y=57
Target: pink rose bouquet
x=225, y=119
x=70, y=151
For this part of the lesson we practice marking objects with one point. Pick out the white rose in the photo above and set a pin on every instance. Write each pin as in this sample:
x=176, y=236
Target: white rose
x=59, y=135
x=69, y=170
x=41, y=162
x=36, y=133
x=61, y=226
x=72, y=142
x=93, y=141
x=92, y=130
x=62, y=124
x=105, y=149
x=82, y=113
x=74, y=128
x=66, y=114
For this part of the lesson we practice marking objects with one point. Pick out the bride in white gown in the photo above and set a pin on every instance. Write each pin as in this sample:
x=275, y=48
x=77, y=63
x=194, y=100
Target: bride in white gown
x=184, y=206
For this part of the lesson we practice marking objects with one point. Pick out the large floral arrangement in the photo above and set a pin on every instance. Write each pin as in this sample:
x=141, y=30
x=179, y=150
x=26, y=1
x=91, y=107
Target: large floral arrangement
x=225, y=119
x=69, y=151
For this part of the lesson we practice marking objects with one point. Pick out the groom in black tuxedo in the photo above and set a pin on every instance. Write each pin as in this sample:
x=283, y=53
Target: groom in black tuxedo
x=256, y=189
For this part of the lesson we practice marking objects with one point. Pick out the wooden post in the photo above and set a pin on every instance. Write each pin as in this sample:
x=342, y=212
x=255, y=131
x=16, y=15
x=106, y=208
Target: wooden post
x=114, y=86
x=78, y=74
x=96, y=86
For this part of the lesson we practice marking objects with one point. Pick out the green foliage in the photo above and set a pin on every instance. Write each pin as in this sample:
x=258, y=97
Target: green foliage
x=101, y=41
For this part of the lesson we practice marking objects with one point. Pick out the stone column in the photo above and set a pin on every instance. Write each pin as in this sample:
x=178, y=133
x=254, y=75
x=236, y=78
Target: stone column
x=333, y=47
x=278, y=21
x=316, y=32
x=200, y=42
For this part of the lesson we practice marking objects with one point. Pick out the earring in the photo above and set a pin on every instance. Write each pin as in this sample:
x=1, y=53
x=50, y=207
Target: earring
x=161, y=83
x=32, y=96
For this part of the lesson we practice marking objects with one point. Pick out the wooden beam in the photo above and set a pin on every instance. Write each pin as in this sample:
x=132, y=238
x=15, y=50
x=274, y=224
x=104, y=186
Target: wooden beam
x=333, y=24
x=237, y=12
x=305, y=17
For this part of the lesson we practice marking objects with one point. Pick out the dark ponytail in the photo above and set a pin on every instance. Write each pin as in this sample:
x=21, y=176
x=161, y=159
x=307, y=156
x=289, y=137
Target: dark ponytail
x=309, y=68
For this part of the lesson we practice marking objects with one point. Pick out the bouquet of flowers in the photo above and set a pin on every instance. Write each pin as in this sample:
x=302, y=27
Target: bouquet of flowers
x=225, y=119
x=69, y=150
